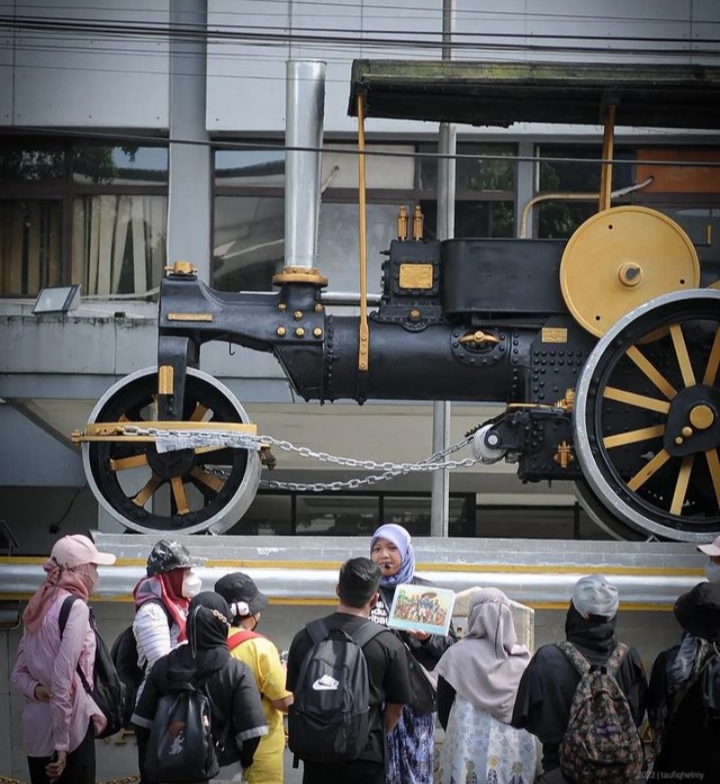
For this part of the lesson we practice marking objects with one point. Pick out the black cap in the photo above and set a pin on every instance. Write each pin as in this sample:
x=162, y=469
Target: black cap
x=167, y=555
x=238, y=587
x=698, y=611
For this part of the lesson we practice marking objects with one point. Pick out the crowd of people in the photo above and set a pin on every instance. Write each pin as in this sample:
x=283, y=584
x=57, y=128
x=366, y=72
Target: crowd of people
x=509, y=716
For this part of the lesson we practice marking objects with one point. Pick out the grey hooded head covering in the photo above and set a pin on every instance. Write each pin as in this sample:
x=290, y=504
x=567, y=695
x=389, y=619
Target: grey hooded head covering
x=594, y=595
x=485, y=667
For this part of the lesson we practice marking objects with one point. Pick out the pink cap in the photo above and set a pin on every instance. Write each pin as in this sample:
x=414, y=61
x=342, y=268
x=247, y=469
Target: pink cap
x=77, y=549
x=712, y=549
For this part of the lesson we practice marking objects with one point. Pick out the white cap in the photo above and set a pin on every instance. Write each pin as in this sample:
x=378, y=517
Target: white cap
x=711, y=549
x=71, y=551
x=594, y=595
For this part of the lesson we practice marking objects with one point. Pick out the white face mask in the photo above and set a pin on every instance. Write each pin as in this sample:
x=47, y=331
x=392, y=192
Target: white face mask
x=712, y=572
x=191, y=584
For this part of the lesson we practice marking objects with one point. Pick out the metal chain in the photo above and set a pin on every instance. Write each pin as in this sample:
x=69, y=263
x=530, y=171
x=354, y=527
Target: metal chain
x=432, y=463
x=170, y=440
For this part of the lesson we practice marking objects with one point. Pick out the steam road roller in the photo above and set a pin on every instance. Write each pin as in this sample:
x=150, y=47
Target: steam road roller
x=604, y=349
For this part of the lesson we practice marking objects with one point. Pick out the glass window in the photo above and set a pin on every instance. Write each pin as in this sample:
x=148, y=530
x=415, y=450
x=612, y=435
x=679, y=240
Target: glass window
x=248, y=243
x=31, y=163
x=119, y=243
x=269, y=515
x=383, y=171
x=30, y=246
x=264, y=168
x=336, y=515
x=474, y=219
x=696, y=221
x=125, y=165
x=558, y=219
x=473, y=175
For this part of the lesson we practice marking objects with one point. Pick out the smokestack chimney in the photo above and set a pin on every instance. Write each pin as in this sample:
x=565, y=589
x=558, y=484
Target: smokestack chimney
x=304, y=116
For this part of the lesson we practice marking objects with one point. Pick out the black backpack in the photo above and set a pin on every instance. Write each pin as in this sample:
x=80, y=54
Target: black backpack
x=181, y=747
x=328, y=721
x=124, y=654
x=107, y=689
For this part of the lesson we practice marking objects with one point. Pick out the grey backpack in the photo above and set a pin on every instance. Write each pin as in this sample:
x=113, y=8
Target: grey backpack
x=329, y=721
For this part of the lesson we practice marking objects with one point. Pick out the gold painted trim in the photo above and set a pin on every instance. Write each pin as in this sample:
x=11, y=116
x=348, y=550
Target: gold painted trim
x=166, y=377
x=190, y=317
x=295, y=601
x=299, y=275
x=416, y=276
x=662, y=571
x=554, y=335
x=363, y=329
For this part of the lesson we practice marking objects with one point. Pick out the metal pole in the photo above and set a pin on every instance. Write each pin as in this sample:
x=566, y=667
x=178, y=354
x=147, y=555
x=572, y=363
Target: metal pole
x=440, y=499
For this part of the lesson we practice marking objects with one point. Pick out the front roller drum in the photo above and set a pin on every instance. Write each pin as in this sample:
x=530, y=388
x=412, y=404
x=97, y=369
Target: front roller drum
x=201, y=490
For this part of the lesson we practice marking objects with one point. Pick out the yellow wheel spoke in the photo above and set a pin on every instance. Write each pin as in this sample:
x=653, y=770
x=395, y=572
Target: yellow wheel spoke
x=713, y=360
x=647, y=471
x=152, y=485
x=215, y=483
x=633, y=436
x=124, y=463
x=714, y=465
x=198, y=413
x=632, y=399
x=651, y=372
x=178, y=491
x=681, y=485
x=682, y=355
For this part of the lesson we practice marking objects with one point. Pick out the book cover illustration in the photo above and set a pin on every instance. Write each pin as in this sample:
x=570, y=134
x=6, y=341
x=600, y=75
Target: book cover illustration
x=422, y=608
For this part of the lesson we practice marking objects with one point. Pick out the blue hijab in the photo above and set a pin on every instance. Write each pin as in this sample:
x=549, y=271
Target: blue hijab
x=401, y=539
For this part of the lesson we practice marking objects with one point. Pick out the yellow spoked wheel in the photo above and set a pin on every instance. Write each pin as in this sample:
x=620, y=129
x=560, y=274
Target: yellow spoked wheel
x=183, y=491
x=647, y=418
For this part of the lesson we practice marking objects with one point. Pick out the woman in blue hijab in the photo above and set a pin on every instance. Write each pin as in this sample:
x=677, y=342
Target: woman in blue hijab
x=411, y=743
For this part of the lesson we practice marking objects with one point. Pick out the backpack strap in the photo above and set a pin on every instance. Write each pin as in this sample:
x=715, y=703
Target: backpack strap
x=368, y=631
x=62, y=623
x=578, y=661
x=317, y=630
x=616, y=659
x=240, y=637
x=65, y=612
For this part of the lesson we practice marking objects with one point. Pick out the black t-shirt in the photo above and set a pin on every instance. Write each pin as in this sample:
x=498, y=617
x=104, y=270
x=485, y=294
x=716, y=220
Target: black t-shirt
x=387, y=673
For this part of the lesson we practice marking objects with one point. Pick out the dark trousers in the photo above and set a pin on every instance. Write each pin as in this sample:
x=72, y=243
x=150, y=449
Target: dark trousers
x=142, y=736
x=79, y=769
x=358, y=772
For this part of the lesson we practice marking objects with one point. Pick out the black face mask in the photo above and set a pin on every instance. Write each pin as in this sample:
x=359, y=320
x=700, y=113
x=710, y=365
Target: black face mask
x=257, y=623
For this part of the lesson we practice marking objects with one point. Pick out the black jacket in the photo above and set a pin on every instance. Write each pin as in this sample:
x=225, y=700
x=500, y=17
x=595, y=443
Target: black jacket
x=237, y=714
x=548, y=684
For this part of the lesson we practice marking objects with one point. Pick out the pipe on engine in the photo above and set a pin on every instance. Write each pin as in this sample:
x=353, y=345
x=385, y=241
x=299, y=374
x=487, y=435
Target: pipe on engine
x=305, y=111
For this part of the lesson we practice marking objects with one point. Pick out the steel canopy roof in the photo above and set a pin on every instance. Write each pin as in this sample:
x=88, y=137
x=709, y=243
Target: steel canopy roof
x=500, y=94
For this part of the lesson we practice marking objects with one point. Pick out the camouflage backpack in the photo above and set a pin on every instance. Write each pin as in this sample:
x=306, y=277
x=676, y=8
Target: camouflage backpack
x=601, y=744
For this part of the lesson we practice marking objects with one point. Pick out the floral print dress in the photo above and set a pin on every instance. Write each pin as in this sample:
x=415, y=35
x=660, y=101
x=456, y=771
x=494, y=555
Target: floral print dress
x=479, y=749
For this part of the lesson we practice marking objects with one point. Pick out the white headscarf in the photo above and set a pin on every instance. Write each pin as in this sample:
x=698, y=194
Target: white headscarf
x=485, y=667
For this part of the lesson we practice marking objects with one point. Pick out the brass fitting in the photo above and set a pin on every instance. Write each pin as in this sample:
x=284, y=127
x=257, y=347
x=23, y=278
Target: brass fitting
x=418, y=223
x=402, y=223
x=317, y=332
x=282, y=306
x=319, y=307
x=297, y=315
x=281, y=332
x=300, y=332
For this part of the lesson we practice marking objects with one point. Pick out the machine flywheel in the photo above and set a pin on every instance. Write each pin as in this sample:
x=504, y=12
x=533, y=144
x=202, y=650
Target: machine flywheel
x=620, y=259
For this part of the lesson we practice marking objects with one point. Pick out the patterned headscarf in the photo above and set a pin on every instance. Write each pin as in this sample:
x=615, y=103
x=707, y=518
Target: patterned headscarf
x=401, y=539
